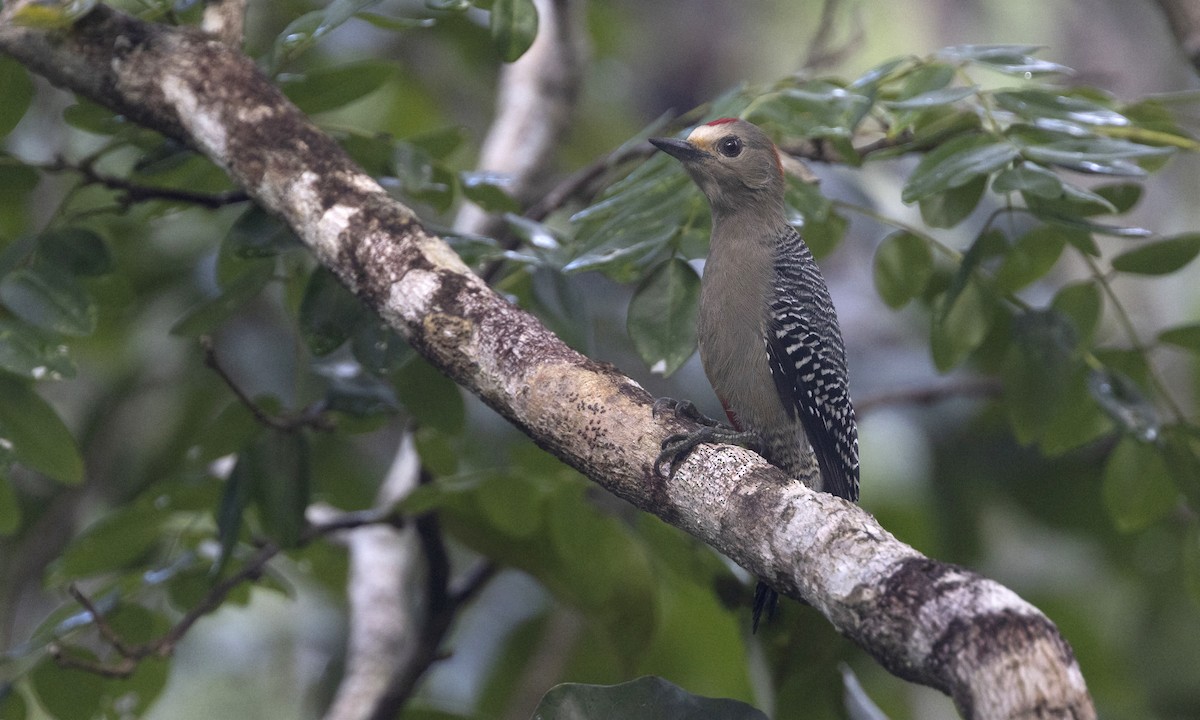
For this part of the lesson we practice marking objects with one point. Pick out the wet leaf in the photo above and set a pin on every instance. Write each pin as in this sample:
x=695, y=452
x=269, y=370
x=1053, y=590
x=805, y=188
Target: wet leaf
x=212, y=313
x=514, y=26
x=960, y=324
x=957, y=163
x=29, y=352
x=903, y=267
x=34, y=433
x=1031, y=257
x=1137, y=487
x=662, y=316
x=17, y=90
x=1161, y=257
x=258, y=234
x=46, y=297
x=1184, y=336
x=77, y=251
x=949, y=208
x=329, y=88
x=328, y=313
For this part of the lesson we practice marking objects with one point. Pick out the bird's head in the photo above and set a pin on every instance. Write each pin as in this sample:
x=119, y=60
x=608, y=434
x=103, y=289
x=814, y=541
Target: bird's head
x=734, y=162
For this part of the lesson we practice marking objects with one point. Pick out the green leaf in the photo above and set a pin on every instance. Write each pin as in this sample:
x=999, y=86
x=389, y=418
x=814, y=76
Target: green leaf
x=17, y=183
x=903, y=267
x=119, y=540
x=1100, y=155
x=487, y=191
x=1137, y=487
x=933, y=98
x=1181, y=451
x=662, y=316
x=647, y=698
x=1191, y=561
x=26, y=351
x=68, y=694
x=329, y=88
x=258, y=234
x=1035, y=370
x=358, y=394
x=328, y=313
x=823, y=109
x=278, y=468
x=12, y=705
x=1009, y=59
x=422, y=178
x=1076, y=421
x=1161, y=257
x=1126, y=403
x=1184, y=336
x=1037, y=105
x=949, y=208
x=1031, y=257
x=225, y=434
x=210, y=314
x=92, y=118
x=303, y=32
x=960, y=324
x=514, y=26
x=1082, y=303
x=822, y=236
x=235, y=498
x=377, y=347
x=1030, y=179
x=50, y=299
x=636, y=221
x=37, y=436
x=395, y=24
x=10, y=511
x=17, y=90
x=78, y=251
x=1122, y=196
x=956, y=163
x=434, y=399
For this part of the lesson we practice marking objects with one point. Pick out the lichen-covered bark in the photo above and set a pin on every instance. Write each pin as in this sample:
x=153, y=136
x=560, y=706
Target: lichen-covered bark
x=932, y=623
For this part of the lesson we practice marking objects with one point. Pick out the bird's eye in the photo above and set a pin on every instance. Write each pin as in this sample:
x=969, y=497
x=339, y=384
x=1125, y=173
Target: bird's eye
x=730, y=146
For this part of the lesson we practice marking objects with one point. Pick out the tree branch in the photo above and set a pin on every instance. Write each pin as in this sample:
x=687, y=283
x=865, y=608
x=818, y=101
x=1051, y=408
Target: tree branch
x=534, y=105
x=926, y=621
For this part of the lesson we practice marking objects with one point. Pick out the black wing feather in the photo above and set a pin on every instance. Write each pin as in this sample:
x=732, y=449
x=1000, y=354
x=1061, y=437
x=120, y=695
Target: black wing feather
x=808, y=364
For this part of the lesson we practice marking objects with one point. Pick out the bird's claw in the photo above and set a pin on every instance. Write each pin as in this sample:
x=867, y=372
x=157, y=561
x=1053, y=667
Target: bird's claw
x=682, y=410
x=674, y=449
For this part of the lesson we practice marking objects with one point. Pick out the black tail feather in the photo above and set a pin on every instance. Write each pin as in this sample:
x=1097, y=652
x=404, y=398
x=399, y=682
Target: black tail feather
x=766, y=599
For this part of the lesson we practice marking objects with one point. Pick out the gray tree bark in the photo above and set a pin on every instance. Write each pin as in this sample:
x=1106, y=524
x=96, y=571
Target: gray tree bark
x=926, y=621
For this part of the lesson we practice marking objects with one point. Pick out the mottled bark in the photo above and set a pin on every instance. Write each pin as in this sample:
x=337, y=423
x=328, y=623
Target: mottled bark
x=926, y=621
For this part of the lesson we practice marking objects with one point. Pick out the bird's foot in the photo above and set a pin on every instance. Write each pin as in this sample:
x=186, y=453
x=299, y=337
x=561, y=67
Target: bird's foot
x=683, y=410
x=676, y=447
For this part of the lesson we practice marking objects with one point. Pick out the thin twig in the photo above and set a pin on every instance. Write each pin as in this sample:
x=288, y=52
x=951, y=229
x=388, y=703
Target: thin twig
x=164, y=645
x=312, y=416
x=821, y=51
x=134, y=193
x=927, y=395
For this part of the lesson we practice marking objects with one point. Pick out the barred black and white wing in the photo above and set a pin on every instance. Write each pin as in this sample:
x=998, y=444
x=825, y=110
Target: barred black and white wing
x=808, y=364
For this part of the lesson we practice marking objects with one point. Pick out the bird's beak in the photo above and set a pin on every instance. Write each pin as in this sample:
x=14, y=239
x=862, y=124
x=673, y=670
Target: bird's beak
x=679, y=149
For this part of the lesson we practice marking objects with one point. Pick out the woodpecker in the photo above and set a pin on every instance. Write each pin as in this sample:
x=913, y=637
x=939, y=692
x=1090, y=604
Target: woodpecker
x=768, y=332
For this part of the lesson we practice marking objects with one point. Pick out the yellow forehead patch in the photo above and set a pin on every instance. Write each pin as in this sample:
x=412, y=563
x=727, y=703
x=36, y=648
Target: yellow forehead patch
x=705, y=136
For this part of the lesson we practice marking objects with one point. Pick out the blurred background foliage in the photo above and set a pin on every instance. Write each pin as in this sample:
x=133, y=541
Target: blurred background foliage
x=1008, y=232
